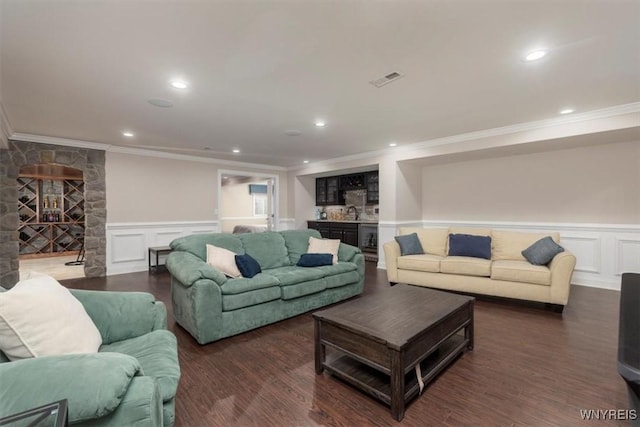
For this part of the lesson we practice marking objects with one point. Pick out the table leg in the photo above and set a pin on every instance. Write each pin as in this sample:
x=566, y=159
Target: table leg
x=397, y=386
x=468, y=331
x=149, y=258
x=320, y=351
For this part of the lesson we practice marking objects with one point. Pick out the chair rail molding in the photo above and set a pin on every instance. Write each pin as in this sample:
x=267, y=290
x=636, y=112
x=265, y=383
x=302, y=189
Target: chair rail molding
x=603, y=251
x=128, y=243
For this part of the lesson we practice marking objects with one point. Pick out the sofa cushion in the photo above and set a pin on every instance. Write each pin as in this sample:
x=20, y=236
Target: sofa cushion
x=314, y=260
x=158, y=357
x=510, y=244
x=542, y=251
x=342, y=279
x=292, y=274
x=467, y=266
x=40, y=317
x=324, y=246
x=250, y=298
x=433, y=240
x=520, y=271
x=197, y=243
x=469, y=245
x=223, y=259
x=297, y=242
x=339, y=268
x=242, y=284
x=301, y=289
x=247, y=265
x=425, y=262
x=268, y=248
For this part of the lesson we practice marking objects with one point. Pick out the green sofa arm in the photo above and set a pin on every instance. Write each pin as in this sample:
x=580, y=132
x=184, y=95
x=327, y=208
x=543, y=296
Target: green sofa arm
x=352, y=254
x=188, y=269
x=122, y=315
x=93, y=384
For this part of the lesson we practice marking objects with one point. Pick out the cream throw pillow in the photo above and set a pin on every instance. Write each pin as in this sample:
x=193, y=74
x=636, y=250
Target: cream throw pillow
x=40, y=317
x=324, y=246
x=224, y=260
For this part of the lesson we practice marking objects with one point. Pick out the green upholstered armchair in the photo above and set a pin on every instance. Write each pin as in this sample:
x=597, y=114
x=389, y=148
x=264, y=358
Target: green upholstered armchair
x=132, y=380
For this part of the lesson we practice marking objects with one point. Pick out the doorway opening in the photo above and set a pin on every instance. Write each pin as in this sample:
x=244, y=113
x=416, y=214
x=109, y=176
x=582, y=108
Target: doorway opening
x=51, y=220
x=247, y=202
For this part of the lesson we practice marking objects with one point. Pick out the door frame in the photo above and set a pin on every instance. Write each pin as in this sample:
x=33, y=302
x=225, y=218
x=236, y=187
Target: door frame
x=273, y=216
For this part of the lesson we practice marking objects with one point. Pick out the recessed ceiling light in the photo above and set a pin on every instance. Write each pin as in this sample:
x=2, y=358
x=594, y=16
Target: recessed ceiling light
x=179, y=84
x=305, y=161
x=393, y=144
x=535, y=55
x=320, y=124
x=236, y=150
x=128, y=134
x=567, y=111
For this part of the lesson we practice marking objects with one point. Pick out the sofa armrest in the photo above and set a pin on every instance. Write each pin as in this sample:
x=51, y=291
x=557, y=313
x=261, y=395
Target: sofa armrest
x=93, y=384
x=122, y=315
x=391, y=254
x=188, y=269
x=347, y=252
x=561, y=267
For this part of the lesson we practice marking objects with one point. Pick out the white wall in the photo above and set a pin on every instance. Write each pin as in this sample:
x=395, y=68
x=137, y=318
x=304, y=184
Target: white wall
x=150, y=189
x=596, y=184
x=153, y=200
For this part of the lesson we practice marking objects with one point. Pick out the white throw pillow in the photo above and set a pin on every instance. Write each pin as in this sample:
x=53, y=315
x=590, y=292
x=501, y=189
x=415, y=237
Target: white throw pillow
x=324, y=246
x=40, y=317
x=224, y=260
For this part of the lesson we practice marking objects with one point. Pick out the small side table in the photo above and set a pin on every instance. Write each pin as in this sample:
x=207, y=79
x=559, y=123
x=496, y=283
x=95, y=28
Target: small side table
x=157, y=251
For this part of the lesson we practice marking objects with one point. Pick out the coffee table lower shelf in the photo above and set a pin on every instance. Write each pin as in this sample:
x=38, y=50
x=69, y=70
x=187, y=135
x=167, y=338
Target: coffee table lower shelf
x=378, y=384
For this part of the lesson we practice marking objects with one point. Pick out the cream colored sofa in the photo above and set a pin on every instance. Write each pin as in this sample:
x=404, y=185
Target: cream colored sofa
x=507, y=274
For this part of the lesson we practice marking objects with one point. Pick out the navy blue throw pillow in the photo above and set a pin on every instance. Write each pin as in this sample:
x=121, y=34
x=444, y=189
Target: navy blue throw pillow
x=542, y=251
x=247, y=265
x=470, y=245
x=409, y=244
x=315, y=260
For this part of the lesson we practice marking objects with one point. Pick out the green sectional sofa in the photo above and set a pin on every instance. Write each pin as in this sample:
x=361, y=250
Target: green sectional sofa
x=211, y=306
x=132, y=380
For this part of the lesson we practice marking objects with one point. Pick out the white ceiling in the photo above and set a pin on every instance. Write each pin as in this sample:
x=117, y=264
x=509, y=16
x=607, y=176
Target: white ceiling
x=85, y=70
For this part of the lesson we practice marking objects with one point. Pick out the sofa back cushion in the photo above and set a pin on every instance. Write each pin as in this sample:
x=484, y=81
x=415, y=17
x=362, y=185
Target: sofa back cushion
x=197, y=243
x=268, y=248
x=508, y=245
x=432, y=240
x=297, y=242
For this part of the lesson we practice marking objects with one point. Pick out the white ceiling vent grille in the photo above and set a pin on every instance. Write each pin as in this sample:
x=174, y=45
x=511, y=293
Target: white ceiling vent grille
x=386, y=79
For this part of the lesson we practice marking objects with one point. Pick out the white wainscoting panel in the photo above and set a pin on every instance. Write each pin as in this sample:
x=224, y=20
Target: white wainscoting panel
x=603, y=251
x=127, y=247
x=128, y=243
x=628, y=255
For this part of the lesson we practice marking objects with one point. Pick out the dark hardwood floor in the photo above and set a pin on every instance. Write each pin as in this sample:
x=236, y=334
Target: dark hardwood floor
x=529, y=367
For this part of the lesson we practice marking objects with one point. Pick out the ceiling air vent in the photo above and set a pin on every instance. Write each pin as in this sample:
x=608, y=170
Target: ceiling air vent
x=386, y=79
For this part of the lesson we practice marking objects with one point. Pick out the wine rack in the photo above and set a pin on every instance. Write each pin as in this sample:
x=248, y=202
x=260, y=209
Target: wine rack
x=51, y=216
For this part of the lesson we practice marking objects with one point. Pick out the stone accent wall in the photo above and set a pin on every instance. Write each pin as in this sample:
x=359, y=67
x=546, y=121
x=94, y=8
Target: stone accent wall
x=91, y=162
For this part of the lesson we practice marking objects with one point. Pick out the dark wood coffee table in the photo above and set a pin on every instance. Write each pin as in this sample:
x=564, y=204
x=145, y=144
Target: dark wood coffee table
x=377, y=340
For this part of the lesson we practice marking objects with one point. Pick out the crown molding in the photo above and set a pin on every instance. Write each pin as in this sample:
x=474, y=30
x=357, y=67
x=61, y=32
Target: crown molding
x=603, y=113
x=41, y=139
